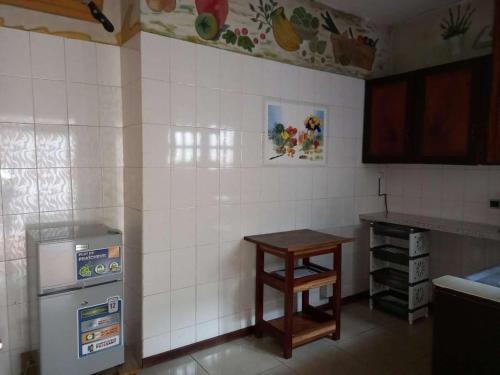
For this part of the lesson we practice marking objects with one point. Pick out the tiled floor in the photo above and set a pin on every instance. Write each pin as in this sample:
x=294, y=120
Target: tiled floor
x=372, y=343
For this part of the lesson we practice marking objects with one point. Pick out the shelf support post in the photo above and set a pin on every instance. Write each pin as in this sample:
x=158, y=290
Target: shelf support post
x=259, y=291
x=288, y=328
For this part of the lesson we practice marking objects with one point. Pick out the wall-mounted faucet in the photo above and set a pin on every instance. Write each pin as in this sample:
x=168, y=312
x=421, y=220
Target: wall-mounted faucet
x=98, y=15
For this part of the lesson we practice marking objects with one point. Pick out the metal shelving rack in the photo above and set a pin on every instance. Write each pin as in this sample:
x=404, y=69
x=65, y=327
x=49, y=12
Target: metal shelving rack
x=399, y=270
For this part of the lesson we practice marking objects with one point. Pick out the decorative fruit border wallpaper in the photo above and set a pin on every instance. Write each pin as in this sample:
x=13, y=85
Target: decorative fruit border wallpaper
x=295, y=133
x=458, y=32
x=299, y=32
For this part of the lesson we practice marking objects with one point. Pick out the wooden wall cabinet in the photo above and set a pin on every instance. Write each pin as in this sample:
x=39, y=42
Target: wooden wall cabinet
x=493, y=154
x=387, y=133
x=435, y=115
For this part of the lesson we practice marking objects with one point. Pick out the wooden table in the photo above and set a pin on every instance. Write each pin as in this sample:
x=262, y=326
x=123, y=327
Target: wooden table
x=295, y=329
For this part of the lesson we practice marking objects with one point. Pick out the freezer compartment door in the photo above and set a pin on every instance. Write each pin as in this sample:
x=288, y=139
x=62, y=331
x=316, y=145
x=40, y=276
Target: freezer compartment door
x=56, y=266
x=81, y=332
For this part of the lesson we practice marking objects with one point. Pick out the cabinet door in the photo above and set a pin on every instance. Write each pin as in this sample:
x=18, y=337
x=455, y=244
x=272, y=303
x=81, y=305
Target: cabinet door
x=386, y=120
x=446, y=113
x=493, y=154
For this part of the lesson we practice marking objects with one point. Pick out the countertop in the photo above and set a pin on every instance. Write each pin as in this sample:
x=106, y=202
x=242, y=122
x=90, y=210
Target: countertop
x=465, y=228
x=468, y=287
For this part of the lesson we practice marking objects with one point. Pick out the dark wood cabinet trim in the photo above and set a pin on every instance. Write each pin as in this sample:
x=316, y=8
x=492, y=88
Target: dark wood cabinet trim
x=367, y=156
x=479, y=117
x=493, y=156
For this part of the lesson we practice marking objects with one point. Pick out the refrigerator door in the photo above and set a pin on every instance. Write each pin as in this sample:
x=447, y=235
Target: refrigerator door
x=79, y=262
x=82, y=330
x=57, y=266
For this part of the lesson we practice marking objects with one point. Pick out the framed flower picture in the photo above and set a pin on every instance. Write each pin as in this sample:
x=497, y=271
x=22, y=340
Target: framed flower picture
x=295, y=133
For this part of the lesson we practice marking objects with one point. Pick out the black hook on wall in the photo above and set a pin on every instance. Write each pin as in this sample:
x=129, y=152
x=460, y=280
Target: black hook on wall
x=98, y=15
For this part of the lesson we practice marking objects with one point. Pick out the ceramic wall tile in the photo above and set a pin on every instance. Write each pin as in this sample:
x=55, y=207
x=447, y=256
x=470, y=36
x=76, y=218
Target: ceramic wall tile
x=108, y=65
x=231, y=105
x=183, y=62
x=183, y=337
x=156, y=188
x=17, y=146
x=52, y=146
x=230, y=148
x=84, y=146
x=156, y=231
x=87, y=187
x=230, y=222
x=81, y=61
x=230, y=254
x=19, y=191
x=156, y=102
x=207, y=263
x=251, y=185
x=230, y=185
x=155, y=57
x=207, y=330
x=17, y=281
x=207, y=225
x=231, y=80
x=207, y=186
x=183, y=187
x=183, y=268
x=54, y=187
x=83, y=104
x=183, y=142
x=156, y=315
x=3, y=285
x=252, y=115
x=183, y=308
x=156, y=145
x=183, y=226
x=207, y=107
x=183, y=99
x=251, y=149
x=17, y=61
x=156, y=277
x=16, y=100
x=50, y=102
x=207, y=148
x=156, y=345
x=47, y=56
x=112, y=187
x=110, y=106
x=111, y=144
x=207, y=67
x=15, y=234
x=207, y=302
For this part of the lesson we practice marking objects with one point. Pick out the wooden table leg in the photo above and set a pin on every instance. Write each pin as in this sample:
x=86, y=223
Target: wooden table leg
x=288, y=326
x=337, y=290
x=305, y=293
x=259, y=291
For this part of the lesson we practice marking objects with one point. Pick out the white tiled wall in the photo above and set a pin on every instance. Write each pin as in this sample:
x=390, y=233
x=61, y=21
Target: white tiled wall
x=451, y=192
x=61, y=154
x=204, y=185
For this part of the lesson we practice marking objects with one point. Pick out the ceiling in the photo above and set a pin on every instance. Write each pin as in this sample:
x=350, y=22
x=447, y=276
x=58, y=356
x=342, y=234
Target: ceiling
x=387, y=12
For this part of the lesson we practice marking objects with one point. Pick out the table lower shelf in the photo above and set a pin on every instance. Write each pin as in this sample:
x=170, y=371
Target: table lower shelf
x=306, y=327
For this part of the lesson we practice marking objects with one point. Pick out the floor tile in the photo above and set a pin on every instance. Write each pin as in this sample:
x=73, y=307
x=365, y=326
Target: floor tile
x=180, y=366
x=280, y=370
x=235, y=358
x=372, y=343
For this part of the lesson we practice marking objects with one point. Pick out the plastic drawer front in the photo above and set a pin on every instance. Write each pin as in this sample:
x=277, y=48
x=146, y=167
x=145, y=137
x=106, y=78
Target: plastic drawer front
x=416, y=269
x=417, y=243
x=417, y=295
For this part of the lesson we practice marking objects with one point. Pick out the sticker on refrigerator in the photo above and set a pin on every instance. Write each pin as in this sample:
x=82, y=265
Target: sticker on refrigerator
x=99, y=327
x=99, y=262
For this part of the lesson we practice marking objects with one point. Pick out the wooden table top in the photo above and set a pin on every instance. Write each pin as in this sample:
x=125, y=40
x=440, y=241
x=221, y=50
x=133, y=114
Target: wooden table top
x=297, y=240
